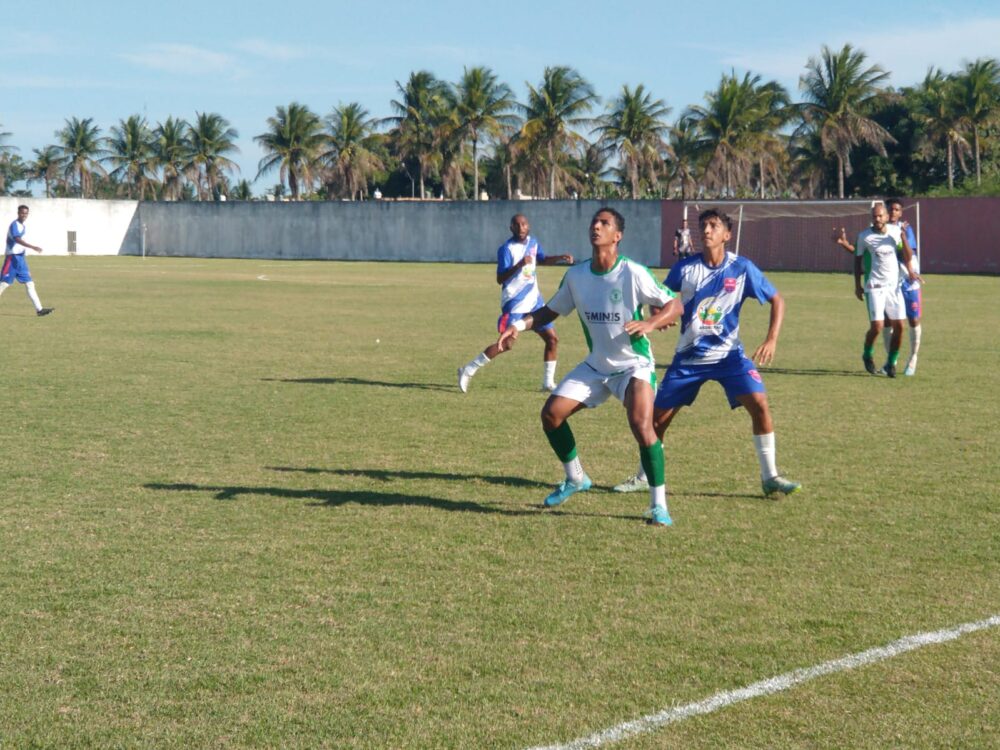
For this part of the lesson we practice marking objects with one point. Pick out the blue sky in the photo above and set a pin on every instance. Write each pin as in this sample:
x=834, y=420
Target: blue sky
x=107, y=60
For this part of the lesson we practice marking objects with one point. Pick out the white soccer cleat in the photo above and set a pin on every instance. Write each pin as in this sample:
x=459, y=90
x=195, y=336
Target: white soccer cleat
x=463, y=380
x=548, y=387
x=911, y=366
x=634, y=483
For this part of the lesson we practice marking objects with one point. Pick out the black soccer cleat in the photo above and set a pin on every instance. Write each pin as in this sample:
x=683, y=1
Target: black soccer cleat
x=44, y=311
x=869, y=365
x=890, y=370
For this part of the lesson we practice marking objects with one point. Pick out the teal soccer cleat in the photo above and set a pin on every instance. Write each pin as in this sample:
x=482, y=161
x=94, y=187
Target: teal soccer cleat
x=659, y=517
x=779, y=484
x=567, y=488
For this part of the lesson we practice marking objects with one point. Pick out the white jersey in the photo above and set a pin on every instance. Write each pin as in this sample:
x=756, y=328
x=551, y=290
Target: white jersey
x=605, y=302
x=880, y=264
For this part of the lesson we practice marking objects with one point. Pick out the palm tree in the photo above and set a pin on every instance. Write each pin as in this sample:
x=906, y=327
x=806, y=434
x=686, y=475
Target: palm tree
x=685, y=152
x=130, y=152
x=558, y=104
x=839, y=93
x=350, y=154
x=6, y=153
x=293, y=143
x=934, y=109
x=211, y=139
x=422, y=103
x=483, y=108
x=172, y=154
x=634, y=129
x=46, y=167
x=80, y=147
x=977, y=99
x=242, y=191
x=774, y=109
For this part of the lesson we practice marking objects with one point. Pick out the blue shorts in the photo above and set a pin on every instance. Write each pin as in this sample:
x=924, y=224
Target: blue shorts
x=914, y=303
x=736, y=374
x=15, y=267
x=507, y=319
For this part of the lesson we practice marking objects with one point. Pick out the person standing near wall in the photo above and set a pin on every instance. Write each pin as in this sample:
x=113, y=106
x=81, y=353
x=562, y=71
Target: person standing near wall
x=15, y=265
x=910, y=288
x=683, y=247
x=517, y=261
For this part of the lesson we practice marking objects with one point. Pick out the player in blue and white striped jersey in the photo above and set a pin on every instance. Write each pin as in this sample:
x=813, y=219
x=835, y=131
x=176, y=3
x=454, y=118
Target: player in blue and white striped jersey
x=713, y=286
x=15, y=265
x=910, y=288
x=517, y=261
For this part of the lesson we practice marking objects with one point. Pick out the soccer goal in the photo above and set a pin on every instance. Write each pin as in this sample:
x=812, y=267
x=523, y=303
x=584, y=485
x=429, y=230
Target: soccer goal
x=794, y=235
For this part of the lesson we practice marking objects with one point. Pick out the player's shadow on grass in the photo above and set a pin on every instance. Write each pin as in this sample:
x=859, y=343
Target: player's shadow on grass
x=335, y=498
x=387, y=476
x=835, y=373
x=363, y=381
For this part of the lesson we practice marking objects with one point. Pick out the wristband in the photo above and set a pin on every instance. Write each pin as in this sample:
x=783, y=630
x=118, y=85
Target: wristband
x=519, y=325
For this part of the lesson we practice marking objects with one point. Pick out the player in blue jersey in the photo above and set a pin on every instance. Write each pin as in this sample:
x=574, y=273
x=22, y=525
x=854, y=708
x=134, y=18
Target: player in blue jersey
x=910, y=288
x=608, y=294
x=15, y=265
x=517, y=261
x=713, y=285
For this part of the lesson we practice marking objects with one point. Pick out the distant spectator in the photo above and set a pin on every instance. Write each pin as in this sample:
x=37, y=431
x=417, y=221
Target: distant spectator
x=683, y=248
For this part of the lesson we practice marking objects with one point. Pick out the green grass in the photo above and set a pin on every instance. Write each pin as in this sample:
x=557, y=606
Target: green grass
x=232, y=518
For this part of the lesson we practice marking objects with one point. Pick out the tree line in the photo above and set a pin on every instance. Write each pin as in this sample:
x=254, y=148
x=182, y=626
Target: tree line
x=848, y=134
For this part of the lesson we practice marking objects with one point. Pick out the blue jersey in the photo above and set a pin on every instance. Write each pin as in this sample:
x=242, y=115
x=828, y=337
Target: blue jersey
x=15, y=232
x=712, y=297
x=520, y=293
x=904, y=279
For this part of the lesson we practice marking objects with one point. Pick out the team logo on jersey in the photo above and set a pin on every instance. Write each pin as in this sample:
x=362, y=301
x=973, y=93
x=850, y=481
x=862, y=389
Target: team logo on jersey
x=755, y=375
x=729, y=285
x=710, y=314
x=616, y=296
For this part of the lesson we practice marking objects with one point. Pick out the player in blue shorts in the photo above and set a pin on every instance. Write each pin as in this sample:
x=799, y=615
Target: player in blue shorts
x=712, y=286
x=910, y=288
x=15, y=265
x=517, y=261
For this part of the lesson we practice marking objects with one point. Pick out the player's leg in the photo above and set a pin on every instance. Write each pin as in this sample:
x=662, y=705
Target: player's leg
x=6, y=273
x=488, y=354
x=875, y=302
x=914, y=304
x=886, y=342
x=548, y=335
x=639, y=409
x=895, y=311
x=580, y=388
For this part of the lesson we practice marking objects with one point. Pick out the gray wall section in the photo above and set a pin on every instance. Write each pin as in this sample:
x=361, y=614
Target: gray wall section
x=461, y=231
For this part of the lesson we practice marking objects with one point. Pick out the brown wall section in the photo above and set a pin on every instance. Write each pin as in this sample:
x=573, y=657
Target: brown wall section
x=957, y=235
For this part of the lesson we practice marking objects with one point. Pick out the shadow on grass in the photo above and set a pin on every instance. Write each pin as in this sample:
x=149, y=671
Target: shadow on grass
x=386, y=476
x=334, y=498
x=835, y=373
x=362, y=381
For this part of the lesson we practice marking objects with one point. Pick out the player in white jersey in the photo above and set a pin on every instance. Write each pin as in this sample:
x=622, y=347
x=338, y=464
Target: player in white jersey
x=15, y=266
x=876, y=281
x=608, y=294
x=713, y=286
x=517, y=260
x=911, y=290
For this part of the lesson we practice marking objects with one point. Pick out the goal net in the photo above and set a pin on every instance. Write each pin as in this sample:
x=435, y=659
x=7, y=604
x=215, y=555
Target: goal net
x=794, y=235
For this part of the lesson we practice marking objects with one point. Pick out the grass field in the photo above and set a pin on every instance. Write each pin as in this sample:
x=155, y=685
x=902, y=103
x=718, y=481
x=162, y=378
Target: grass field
x=245, y=505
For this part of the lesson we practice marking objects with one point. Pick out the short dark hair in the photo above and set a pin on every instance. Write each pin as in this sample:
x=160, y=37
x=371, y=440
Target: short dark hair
x=24, y=207
x=714, y=213
x=619, y=219
x=890, y=202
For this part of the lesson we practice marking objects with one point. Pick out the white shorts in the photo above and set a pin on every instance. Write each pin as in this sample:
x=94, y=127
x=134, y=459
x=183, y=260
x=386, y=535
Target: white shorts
x=884, y=302
x=585, y=384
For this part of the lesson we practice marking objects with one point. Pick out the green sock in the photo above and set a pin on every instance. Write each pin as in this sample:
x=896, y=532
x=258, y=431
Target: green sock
x=563, y=443
x=893, y=356
x=869, y=352
x=652, y=463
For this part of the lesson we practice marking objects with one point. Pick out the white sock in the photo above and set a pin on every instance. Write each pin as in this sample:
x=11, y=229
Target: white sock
x=574, y=470
x=3, y=286
x=765, y=454
x=33, y=295
x=481, y=361
x=914, y=340
x=641, y=473
x=550, y=372
x=658, y=497
x=887, y=339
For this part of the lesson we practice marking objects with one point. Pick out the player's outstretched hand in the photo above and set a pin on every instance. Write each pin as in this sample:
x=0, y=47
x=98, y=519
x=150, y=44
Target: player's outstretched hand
x=507, y=339
x=839, y=235
x=764, y=354
x=638, y=327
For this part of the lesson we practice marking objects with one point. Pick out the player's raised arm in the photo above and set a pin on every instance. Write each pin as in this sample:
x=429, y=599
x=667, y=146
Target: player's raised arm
x=839, y=236
x=551, y=260
x=764, y=353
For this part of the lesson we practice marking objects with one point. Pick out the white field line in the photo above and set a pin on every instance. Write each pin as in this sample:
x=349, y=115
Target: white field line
x=652, y=722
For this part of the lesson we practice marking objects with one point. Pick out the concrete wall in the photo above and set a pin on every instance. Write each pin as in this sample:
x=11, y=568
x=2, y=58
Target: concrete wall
x=102, y=227
x=462, y=231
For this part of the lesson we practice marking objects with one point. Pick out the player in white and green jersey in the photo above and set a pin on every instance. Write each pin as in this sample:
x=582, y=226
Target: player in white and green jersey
x=608, y=294
x=878, y=252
